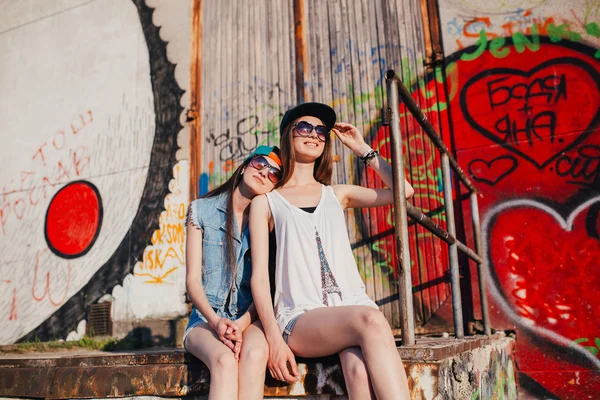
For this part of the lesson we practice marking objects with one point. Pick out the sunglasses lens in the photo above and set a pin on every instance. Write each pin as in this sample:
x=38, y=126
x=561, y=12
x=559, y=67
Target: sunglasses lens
x=274, y=175
x=304, y=128
x=322, y=133
x=259, y=162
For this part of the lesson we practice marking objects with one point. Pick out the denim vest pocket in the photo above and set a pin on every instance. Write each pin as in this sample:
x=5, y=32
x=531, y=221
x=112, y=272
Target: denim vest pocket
x=213, y=265
x=213, y=249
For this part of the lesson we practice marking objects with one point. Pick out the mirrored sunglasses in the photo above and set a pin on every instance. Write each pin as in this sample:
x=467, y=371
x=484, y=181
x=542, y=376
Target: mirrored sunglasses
x=259, y=162
x=304, y=129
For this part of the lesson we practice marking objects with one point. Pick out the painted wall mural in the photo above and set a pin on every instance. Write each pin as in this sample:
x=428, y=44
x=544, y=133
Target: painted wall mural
x=88, y=161
x=523, y=114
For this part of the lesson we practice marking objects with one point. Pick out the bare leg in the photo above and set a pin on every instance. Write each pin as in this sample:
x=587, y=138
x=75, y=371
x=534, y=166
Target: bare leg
x=330, y=330
x=356, y=374
x=203, y=343
x=253, y=363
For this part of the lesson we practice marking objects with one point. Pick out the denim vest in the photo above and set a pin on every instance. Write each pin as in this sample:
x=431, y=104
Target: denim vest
x=228, y=299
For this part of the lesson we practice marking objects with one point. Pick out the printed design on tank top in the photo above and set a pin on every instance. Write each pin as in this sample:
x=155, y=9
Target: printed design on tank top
x=328, y=283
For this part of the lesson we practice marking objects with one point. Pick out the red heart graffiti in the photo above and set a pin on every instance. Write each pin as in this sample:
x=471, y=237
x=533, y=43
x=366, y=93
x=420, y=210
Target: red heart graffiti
x=546, y=265
x=528, y=112
x=493, y=171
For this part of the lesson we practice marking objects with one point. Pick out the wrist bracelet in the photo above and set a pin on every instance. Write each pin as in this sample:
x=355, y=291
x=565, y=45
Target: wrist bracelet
x=366, y=153
x=371, y=154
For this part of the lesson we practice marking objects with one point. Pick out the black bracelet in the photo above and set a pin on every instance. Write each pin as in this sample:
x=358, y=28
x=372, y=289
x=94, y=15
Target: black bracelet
x=369, y=156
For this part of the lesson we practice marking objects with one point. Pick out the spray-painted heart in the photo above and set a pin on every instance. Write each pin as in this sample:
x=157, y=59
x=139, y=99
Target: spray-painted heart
x=493, y=171
x=544, y=268
x=530, y=112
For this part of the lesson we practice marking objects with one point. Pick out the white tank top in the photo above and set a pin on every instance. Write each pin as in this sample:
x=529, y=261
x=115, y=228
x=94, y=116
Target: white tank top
x=315, y=266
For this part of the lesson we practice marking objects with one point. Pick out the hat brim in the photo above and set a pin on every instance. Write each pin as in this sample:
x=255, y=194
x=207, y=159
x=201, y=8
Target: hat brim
x=318, y=110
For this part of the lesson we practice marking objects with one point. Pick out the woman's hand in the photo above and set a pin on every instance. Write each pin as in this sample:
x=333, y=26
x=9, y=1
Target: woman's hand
x=351, y=137
x=230, y=334
x=279, y=357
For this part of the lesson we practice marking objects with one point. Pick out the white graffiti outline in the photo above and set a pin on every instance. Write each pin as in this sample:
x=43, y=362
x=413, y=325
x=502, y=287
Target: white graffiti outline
x=566, y=224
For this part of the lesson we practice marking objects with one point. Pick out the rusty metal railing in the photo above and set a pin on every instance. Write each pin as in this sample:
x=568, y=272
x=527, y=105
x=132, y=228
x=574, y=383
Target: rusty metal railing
x=395, y=88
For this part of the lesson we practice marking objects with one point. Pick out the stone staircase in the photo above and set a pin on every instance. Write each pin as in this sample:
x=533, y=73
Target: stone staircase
x=476, y=367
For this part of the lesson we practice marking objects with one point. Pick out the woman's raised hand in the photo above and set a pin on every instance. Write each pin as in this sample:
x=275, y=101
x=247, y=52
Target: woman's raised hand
x=350, y=137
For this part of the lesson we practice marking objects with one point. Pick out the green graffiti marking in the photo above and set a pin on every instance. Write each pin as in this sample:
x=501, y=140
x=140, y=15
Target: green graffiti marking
x=521, y=43
x=592, y=349
x=563, y=31
x=360, y=102
x=592, y=29
x=529, y=42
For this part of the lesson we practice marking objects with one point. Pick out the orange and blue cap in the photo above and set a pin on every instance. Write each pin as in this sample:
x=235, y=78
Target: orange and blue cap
x=270, y=151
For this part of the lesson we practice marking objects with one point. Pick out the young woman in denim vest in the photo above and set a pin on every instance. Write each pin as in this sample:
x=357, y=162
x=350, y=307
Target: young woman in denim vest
x=320, y=305
x=223, y=330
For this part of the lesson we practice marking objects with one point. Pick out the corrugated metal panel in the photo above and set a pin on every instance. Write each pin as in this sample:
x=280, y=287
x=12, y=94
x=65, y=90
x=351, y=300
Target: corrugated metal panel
x=351, y=43
x=249, y=79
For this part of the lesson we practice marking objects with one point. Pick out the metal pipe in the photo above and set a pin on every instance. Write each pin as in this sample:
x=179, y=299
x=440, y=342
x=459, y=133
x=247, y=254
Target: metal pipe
x=481, y=267
x=401, y=219
x=453, y=250
x=470, y=253
x=440, y=232
x=415, y=110
x=429, y=224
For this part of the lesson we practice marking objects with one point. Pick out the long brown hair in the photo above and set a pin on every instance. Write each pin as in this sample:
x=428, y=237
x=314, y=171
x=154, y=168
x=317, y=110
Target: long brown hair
x=229, y=186
x=323, y=171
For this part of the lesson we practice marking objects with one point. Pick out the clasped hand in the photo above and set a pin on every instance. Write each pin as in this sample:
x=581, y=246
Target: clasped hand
x=230, y=334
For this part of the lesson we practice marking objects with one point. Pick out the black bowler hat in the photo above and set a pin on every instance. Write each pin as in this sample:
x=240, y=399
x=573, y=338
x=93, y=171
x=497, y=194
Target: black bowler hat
x=318, y=110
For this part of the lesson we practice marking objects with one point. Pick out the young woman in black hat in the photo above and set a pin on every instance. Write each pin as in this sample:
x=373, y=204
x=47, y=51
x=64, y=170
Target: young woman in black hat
x=218, y=280
x=320, y=304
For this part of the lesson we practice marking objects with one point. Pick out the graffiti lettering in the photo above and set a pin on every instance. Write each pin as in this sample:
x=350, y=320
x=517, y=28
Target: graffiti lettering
x=34, y=185
x=510, y=129
x=47, y=278
x=521, y=42
x=529, y=104
x=585, y=166
x=545, y=87
x=166, y=253
x=13, y=306
x=245, y=139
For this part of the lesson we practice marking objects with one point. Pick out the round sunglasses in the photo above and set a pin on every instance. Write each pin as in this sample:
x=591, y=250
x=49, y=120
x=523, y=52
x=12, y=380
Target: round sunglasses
x=259, y=162
x=304, y=129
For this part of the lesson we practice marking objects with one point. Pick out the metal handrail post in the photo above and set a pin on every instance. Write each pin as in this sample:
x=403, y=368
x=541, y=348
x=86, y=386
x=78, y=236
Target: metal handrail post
x=400, y=218
x=481, y=271
x=453, y=249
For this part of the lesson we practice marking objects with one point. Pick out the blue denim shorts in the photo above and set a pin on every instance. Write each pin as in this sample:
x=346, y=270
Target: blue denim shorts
x=289, y=327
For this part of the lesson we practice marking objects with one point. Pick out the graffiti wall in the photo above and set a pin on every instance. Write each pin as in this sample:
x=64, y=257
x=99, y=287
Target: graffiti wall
x=523, y=92
x=92, y=194
x=342, y=59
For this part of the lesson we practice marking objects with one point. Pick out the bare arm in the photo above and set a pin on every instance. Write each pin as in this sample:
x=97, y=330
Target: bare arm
x=227, y=330
x=249, y=316
x=279, y=353
x=351, y=196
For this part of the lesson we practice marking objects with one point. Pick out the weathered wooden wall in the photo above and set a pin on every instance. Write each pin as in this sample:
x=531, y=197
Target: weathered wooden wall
x=255, y=65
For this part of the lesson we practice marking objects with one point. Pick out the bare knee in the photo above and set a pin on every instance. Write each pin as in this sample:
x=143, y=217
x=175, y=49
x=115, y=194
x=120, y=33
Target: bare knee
x=372, y=323
x=223, y=363
x=356, y=372
x=257, y=354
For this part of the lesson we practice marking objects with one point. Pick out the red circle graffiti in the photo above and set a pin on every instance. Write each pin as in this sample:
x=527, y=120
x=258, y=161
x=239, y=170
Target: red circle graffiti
x=73, y=219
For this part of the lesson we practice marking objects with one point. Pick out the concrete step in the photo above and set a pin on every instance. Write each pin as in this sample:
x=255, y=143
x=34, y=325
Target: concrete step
x=453, y=368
